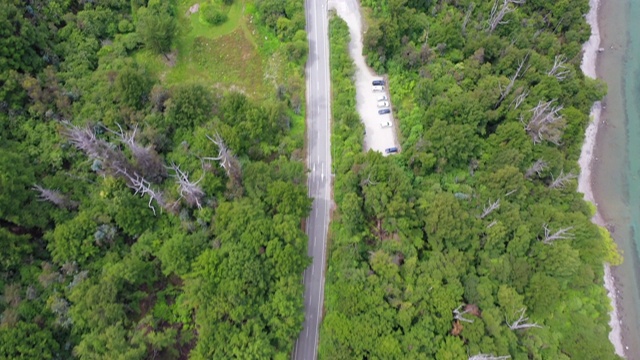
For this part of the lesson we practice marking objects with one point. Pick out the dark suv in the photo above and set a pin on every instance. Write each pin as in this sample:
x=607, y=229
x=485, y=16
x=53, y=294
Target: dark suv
x=391, y=150
x=383, y=111
x=378, y=82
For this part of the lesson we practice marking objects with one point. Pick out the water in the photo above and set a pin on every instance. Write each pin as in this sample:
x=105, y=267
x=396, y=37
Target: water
x=616, y=172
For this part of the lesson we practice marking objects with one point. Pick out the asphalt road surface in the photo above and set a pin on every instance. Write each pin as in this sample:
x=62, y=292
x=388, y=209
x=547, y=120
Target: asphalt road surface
x=319, y=179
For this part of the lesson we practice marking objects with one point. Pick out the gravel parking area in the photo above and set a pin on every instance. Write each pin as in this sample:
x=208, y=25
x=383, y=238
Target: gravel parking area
x=377, y=138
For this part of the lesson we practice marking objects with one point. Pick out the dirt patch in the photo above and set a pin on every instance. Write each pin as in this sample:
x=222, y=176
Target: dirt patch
x=193, y=9
x=170, y=59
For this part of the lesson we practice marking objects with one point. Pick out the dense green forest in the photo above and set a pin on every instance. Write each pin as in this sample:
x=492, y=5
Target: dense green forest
x=151, y=179
x=472, y=243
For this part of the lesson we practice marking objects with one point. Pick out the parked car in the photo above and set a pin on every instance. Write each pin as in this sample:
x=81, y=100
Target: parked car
x=384, y=111
x=391, y=150
x=383, y=104
x=378, y=88
x=377, y=82
x=385, y=124
x=382, y=97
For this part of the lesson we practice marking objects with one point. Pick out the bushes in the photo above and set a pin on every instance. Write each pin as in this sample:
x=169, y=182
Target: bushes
x=212, y=13
x=347, y=128
x=414, y=239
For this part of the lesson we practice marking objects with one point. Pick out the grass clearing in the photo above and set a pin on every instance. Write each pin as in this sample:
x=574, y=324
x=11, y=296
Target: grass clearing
x=231, y=55
x=235, y=55
x=226, y=61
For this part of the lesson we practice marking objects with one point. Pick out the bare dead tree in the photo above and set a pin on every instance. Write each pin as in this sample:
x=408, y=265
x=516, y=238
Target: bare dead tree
x=457, y=315
x=84, y=139
x=537, y=168
x=55, y=197
x=561, y=181
x=491, y=224
x=559, y=70
x=191, y=191
x=522, y=323
x=466, y=18
x=225, y=157
x=561, y=234
x=498, y=11
x=490, y=208
x=518, y=100
x=504, y=92
x=147, y=159
x=489, y=357
x=143, y=187
x=545, y=123
x=368, y=181
x=511, y=192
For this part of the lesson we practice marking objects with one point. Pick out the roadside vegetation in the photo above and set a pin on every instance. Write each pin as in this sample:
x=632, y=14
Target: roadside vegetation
x=152, y=186
x=473, y=242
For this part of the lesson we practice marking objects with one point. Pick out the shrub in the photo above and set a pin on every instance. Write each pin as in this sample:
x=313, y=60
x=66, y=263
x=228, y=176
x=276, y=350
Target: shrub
x=212, y=14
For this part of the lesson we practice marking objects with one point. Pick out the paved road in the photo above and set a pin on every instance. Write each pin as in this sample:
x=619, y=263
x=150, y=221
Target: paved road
x=319, y=161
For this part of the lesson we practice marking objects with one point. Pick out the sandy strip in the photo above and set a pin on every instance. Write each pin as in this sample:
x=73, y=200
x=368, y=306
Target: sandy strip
x=588, y=67
x=376, y=138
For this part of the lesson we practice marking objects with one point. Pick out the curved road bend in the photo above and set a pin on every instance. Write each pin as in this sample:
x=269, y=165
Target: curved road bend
x=319, y=180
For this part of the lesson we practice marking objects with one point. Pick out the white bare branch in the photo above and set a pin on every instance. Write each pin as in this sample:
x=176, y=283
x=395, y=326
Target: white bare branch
x=545, y=123
x=491, y=224
x=466, y=18
x=142, y=187
x=498, y=11
x=537, y=168
x=559, y=70
x=54, y=197
x=518, y=100
x=84, y=139
x=227, y=160
x=561, y=181
x=489, y=357
x=504, y=92
x=490, y=208
x=147, y=159
x=558, y=235
x=190, y=191
x=368, y=181
x=460, y=315
x=522, y=323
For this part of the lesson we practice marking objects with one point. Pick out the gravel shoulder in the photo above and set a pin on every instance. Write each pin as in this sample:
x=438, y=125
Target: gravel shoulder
x=376, y=137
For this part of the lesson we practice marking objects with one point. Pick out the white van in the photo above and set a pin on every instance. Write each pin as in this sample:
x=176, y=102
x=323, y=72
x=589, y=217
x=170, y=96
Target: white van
x=378, y=88
x=382, y=97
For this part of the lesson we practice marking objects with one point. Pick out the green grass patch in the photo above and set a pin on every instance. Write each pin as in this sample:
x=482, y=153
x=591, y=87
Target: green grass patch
x=238, y=54
x=193, y=25
x=266, y=39
x=226, y=60
x=224, y=56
